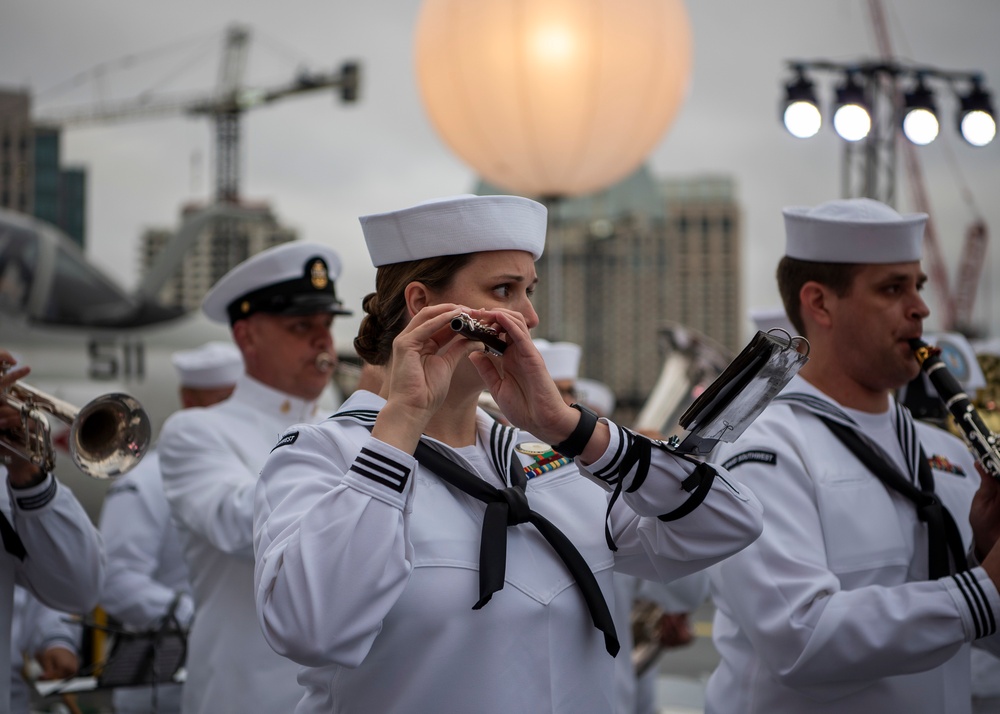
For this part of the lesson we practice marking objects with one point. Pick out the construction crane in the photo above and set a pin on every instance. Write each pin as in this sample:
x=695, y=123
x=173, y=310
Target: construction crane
x=956, y=306
x=226, y=106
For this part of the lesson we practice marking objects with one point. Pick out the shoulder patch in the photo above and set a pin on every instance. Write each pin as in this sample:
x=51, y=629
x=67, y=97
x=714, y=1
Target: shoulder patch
x=287, y=439
x=760, y=457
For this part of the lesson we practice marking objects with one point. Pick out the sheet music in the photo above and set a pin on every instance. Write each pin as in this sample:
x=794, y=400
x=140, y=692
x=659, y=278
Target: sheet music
x=738, y=395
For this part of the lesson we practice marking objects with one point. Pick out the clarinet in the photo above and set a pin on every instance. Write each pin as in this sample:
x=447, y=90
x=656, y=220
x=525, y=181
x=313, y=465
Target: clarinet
x=472, y=329
x=981, y=441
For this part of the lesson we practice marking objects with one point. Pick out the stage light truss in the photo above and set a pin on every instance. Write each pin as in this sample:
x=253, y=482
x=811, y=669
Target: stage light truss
x=907, y=94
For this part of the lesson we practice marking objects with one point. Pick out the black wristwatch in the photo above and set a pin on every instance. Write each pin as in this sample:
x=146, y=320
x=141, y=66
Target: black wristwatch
x=576, y=442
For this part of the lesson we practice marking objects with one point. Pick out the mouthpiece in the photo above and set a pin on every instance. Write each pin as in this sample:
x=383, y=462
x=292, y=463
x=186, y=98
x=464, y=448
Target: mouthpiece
x=325, y=362
x=473, y=329
x=923, y=351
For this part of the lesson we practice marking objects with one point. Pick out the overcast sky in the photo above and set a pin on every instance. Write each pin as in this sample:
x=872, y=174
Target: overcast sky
x=322, y=164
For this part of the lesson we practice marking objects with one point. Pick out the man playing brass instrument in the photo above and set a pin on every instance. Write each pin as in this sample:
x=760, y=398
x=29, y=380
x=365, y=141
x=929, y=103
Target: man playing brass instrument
x=859, y=595
x=49, y=544
x=280, y=305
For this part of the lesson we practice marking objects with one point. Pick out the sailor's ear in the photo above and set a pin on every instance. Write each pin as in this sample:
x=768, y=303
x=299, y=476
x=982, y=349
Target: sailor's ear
x=816, y=301
x=417, y=296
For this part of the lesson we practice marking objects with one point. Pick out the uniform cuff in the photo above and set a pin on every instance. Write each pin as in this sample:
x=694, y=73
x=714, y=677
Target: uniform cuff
x=604, y=471
x=34, y=497
x=977, y=599
x=383, y=472
x=65, y=642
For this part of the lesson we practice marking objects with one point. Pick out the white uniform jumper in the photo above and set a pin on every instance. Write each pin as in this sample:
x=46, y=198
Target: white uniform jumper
x=831, y=609
x=210, y=459
x=146, y=571
x=35, y=628
x=64, y=566
x=368, y=574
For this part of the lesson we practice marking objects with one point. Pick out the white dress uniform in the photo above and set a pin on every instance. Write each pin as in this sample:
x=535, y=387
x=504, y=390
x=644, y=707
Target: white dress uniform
x=64, y=566
x=368, y=574
x=210, y=459
x=831, y=609
x=146, y=571
x=35, y=628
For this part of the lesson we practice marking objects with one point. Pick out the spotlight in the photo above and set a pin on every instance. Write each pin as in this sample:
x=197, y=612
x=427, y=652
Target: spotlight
x=920, y=122
x=976, y=120
x=801, y=113
x=852, y=119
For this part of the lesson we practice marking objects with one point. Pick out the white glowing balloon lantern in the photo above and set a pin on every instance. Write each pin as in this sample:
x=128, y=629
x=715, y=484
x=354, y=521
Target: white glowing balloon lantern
x=553, y=97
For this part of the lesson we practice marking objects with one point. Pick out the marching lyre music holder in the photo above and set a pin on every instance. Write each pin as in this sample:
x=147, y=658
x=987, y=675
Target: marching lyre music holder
x=746, y=386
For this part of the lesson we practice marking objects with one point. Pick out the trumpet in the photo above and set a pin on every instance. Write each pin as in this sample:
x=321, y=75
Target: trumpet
x=108, y=436
x=981, y=441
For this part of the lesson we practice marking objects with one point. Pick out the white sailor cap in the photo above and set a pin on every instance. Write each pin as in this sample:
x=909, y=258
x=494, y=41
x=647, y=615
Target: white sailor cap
x=214, y=364
x=596, y=395
x=293, y=278
x=455, y=225
x=562, y=359
x=853, y=230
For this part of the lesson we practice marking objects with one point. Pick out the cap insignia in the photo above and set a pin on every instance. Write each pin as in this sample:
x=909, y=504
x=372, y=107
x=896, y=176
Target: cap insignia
x=245, y=307
x=318, y=275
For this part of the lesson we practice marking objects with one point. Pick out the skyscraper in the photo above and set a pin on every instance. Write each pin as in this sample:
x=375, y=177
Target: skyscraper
x=219, y=248
x=621, y=264
x=32, y=178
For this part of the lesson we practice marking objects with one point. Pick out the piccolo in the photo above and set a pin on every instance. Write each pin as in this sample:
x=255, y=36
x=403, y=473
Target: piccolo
x=473, y=329
x=981, y=441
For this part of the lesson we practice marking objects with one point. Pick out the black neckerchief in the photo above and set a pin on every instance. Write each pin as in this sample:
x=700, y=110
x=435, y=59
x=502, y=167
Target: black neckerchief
x=509, y=507
x=943, y=536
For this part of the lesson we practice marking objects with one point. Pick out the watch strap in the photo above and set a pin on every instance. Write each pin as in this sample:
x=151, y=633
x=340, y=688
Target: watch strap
x=576, y=442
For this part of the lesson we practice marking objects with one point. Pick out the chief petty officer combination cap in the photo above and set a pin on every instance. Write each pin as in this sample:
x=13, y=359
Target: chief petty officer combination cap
x=214, y=364
x=455, y=225
x=854, y=230
x=289, y=279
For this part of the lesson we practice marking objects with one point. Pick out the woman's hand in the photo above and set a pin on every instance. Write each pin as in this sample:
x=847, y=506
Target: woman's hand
x=519, y=381
x=424, y=358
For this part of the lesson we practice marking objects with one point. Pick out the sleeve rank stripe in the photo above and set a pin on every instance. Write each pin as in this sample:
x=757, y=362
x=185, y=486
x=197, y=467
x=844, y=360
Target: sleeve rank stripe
x=381, y=469
x=394, y=485
x=31, y=503
x=975, y=598
x=361, y=415
x=970, y=602
x=608, y=471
